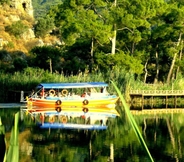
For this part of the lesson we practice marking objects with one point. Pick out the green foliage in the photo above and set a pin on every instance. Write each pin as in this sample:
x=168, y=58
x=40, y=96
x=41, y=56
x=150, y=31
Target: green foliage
x=43, y=56
x=44, y=26
x=9, y=45
x=17, y=28
x=12, y=61
x=4, y=55
x=5, y=60
x=76, y=58
x=29, y=78
x=42, y=7
x=19, y=64
x=125, y=61
x=13, y=150
x=147, y=36
x=4, y=2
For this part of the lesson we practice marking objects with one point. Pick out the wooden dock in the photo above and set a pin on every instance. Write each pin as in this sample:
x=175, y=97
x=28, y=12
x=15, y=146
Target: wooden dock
x=11, y=105
x=151, y=96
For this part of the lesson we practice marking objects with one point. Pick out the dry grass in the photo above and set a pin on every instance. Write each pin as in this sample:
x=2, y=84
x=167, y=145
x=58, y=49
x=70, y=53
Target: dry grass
x=7, y=15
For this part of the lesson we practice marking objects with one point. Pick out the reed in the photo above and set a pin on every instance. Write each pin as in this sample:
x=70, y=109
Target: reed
x=13, y=149
x=133, y=122
x=30, y=77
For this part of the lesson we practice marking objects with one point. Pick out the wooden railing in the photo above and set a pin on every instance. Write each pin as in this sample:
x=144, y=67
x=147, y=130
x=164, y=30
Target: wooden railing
x=156, y=92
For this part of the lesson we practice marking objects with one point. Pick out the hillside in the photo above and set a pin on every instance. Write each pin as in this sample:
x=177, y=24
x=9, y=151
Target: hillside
x=41, y=7
x=11, y=17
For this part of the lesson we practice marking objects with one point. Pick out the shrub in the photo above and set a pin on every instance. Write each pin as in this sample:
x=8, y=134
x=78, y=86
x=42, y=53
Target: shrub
x=16, y=29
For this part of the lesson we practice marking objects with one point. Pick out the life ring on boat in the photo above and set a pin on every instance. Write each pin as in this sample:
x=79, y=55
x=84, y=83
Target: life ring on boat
x=64, y=92
x=51, y=119
x=85, y=102
x=63, y=119
x=58, y=102
x=58, y=109
x=52, y=92
x=85, y=110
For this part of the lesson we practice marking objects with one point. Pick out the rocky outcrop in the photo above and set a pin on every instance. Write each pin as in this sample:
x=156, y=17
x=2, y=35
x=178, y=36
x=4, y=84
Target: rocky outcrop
x=23, y=5
x=29, y=34
x=21, y=10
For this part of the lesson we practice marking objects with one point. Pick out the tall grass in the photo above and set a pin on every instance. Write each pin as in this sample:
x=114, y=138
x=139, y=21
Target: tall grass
x=30, y=77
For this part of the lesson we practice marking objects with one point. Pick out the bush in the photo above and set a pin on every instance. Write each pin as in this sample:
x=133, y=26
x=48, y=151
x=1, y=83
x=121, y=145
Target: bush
x=19, y=64
x=16, y=29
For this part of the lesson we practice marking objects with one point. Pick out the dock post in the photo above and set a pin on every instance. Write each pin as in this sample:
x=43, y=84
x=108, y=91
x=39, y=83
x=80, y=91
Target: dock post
x=21, y=115
x=142, y=102
x=22, y=96
x=111, y=152
x=152, y=102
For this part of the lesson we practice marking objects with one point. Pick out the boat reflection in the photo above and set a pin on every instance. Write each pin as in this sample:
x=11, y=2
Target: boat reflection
x=85, y=118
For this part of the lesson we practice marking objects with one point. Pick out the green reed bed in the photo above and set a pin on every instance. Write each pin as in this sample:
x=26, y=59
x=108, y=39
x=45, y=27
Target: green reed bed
x=177, y=84
x=31, y=77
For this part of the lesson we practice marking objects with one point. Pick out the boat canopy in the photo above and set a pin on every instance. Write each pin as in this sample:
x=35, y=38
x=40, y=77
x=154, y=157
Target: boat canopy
x=71, y=85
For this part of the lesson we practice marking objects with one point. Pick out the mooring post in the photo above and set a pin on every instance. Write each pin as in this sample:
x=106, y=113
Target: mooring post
x=21, y=115
x=175, y=101
x=21, y=96
x=142, y=102
x=111, y=152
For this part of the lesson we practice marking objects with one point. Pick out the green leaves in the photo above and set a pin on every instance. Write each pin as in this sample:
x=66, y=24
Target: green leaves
x=44, y=26
x=132, y=122
x=13, y=151
x=17, y=28
x=145, y=30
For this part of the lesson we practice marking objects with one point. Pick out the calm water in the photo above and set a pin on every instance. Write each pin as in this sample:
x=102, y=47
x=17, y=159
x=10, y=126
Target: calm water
x=163, y=134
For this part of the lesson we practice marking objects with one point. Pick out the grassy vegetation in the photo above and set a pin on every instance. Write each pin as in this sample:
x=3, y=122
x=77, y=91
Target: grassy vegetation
x=30, y=77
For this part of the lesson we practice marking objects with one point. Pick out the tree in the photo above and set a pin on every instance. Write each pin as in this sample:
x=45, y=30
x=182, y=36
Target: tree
x=19, y=64
x=44, y=26
x=144, y=30
x=46, y=57
x=166, y=38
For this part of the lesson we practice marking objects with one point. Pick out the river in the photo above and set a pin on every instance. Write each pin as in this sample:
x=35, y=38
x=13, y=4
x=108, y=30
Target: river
x=163, y=134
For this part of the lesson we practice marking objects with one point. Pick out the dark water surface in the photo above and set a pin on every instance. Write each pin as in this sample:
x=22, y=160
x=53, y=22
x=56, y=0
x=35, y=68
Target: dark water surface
x=163, y=134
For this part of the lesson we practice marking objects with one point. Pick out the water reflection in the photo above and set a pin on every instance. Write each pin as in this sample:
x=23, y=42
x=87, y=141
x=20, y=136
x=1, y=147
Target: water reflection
x=163, y=134
x=2, y=141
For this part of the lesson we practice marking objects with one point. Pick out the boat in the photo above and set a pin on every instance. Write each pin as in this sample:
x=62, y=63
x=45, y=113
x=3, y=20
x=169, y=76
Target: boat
x=58, y=95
